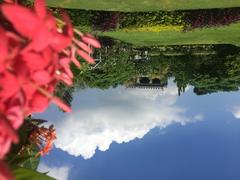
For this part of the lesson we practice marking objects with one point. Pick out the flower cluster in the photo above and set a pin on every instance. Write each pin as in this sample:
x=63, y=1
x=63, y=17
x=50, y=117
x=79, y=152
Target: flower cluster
x=43, y=137
x=35, y=54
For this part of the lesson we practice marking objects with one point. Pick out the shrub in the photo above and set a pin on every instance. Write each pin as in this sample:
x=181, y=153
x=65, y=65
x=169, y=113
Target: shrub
x=105, y=21
x=213, y=17
x=143, y=19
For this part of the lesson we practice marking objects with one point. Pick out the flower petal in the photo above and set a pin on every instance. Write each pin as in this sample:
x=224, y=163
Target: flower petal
x=5, y=173
x=29, y=91
x=92, y=41
x=68, y=29
x=39, y=102
x=9, y=85
x=76, y=62
x=15, y=116
x=85, y=56
x=23, y=19
x=3, y=46
x=83, y=46
x=35, y=61
x=64, y=61
x=68, y=71
x=40, y=8
x=65, y=78
x=60, y=104
x=41, y=39
x=60, y=42
x=73, y=58
x=5, y=127
x=41, y=77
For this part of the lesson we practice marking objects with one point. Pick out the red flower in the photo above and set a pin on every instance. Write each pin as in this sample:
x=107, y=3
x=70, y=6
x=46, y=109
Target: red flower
x=23, y=19
x=11, y=86
x=35, y=56
x=43, y=138
x=89, y=39
x=5, y=173
x=7, y=136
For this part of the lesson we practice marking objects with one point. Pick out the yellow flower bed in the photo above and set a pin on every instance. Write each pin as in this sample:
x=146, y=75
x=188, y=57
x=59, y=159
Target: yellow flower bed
x=156, y=28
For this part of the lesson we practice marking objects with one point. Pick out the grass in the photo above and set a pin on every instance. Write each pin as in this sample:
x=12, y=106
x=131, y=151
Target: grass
x=149, y=37
x=143, y=5
x=221, y=35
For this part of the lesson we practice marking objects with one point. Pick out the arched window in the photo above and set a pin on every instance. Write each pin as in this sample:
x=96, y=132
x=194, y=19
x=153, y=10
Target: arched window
x=144, y=80
x=156, y=81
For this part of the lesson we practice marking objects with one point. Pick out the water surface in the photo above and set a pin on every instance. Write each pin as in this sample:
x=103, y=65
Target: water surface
x=146, y=133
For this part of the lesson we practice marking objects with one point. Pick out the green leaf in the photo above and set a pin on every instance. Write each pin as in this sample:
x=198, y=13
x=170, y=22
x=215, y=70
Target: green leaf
x=38, y=121
x=33, y=161
x=17, y=160
x=24, y=173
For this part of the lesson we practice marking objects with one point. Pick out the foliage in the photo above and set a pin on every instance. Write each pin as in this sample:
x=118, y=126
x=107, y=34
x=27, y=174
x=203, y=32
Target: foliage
x=64, y=93
x=213, y=17
x=114, y=69
x=24, y=173
x=204, y=67
x=80, y=18
x=105, y=21
x=220, y=35
x=141, y=5
x=210, y=68
x=143, y=19
x=32, y=140
x=153, y=21
x=208, y=74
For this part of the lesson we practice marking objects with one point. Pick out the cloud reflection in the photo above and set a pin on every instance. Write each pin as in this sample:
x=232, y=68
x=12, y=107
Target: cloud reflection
x=236, y=112
x=60, y=173
x=117, y=115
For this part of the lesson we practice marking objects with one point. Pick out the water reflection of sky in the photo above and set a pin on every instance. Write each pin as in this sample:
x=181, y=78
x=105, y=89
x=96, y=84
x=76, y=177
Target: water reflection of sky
x=146, y=134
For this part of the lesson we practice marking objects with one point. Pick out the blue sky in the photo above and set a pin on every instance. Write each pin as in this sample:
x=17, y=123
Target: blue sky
x=146, y=134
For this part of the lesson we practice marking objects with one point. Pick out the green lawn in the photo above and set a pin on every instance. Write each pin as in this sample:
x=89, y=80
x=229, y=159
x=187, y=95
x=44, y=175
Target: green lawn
x=143, y=5
x=221, y=35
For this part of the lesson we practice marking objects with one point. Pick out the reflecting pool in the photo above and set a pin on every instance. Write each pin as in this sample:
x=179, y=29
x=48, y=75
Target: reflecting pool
x=172, y=118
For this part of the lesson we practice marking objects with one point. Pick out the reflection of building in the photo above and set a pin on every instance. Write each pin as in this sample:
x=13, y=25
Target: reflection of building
x=148, y=83
x=141, y=57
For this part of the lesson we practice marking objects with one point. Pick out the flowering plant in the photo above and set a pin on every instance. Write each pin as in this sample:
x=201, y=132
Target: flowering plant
x=36, y=51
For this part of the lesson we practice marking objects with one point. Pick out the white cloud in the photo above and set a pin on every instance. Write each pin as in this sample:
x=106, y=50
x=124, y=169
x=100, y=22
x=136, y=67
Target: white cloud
x=236, y=111
x=198, y=117
x=60, y=173
x=118, y=115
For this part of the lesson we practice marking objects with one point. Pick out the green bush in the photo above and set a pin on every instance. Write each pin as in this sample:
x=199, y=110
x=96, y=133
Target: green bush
x=80, y=17
x=141, y=19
